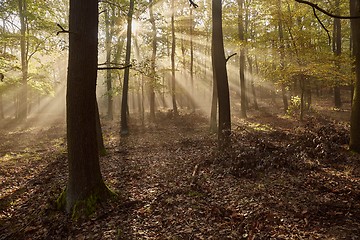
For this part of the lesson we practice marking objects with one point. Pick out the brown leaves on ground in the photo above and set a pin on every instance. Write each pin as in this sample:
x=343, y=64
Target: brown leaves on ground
x=281, y=180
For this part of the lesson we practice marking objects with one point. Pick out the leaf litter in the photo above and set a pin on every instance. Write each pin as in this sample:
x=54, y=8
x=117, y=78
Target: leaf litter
x=281, y=180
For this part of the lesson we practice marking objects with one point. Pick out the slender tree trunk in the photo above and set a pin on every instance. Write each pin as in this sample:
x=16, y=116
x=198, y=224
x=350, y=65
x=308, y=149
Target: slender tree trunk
x=124, y=129
x=173, y=60
x=256, y=107
x=214, y=105
x=99, y=134
x=219, y=65
x=24, y=61
x=108, y=31
x=337, y=52
x=241, y=33
x=153, y=59
x=282, y=57
x=191, y=50
x=355, y=110
x=85, y=180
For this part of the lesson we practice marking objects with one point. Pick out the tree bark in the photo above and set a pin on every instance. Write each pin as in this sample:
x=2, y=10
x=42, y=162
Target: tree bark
x=108, y=38
x=355, y=110
x=337, y=52
x=85, y=180
x=153, y=59
x=22, y=114
x=124, y=129
x=219, y=70
x=241, y=33
x=175, y=110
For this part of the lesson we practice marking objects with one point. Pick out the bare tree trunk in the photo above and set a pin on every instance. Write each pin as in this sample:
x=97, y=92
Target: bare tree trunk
x=242, y=59
x=153, y=59
x=24, y=61
x=337, y=52
x=355, y=110
x=108, y=32
x=219, y=70
x=85, y=181
x=173, y=60
x=124, y=129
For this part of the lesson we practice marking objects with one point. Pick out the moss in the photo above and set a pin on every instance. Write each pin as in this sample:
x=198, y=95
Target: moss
x=85, y=207
x=61, y=200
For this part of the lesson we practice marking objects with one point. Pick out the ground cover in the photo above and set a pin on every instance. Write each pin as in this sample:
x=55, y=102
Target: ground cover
x=283, y=179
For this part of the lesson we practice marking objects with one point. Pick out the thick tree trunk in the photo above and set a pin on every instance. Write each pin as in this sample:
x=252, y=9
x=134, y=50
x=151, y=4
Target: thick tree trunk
x=124, y=129
x=85, y=181
x=355, y=110
x=219, y=65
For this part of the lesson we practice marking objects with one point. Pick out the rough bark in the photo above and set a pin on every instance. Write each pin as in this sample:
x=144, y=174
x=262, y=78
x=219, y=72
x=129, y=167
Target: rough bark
x=219, y=65
x=85, y=180
x=355, y=110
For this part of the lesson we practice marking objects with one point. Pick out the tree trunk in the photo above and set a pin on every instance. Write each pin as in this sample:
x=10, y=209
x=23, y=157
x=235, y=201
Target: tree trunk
x=337, y=52
x=99, y=134
x=282, y=58
x=153, y=59
x=175, y=110
x=355, y=110
x=214, y=105
x=108, y=39
x=241, y=33
x=219, y=70
x=85, y=181
x=124, y=129
x=22, y=114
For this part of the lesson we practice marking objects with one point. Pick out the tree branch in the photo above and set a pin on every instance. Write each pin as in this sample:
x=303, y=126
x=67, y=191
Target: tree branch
x=192, y=3
x=228, y=58
x=110, y=68
x=326, y=12
x=322, y=25
x=62, y=30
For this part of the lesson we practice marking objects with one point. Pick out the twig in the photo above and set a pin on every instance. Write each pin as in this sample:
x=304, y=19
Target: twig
x=322, y=25
x=228, y=58
x=192, y=3
x=326, y=12
x=62, y=30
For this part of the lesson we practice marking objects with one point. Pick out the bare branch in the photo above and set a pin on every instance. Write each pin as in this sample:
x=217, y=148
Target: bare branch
x=326, y=12
x=62, y=30
x=192, y=3
x=110, y=68
x=228, y=58
x=322, y=25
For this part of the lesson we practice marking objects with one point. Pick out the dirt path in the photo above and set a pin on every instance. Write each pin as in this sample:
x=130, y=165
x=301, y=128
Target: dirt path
x=279, y=183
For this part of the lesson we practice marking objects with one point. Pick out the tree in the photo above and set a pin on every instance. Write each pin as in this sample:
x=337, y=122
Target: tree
x=220, y=73
x=241, y=33
x=85, y=184
x=124, y=129
x=153, y=59
x=355, y=110
x=175, y=110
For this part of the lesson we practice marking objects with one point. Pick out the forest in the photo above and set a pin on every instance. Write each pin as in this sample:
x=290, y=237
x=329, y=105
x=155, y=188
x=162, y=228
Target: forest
x=186, y=119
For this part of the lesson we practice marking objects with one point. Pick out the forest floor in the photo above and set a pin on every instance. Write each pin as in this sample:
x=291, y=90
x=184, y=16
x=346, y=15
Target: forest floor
x=283, y=179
